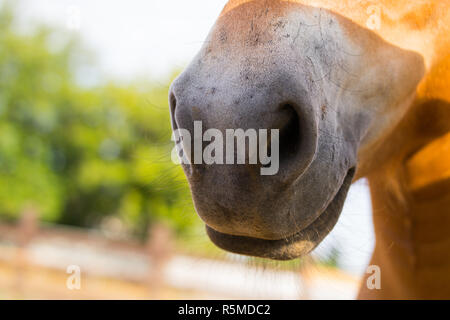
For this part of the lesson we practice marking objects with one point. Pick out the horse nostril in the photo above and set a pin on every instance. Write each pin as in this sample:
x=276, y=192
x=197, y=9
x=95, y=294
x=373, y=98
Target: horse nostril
x=172, y=102
x=173, y=106
x=290, y=134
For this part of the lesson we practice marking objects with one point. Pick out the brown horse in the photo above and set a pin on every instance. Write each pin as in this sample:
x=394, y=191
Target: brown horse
x=357, y=89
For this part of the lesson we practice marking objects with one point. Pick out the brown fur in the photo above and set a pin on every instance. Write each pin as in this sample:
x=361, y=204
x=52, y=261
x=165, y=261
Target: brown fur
x=412, y=226
x=381, y=104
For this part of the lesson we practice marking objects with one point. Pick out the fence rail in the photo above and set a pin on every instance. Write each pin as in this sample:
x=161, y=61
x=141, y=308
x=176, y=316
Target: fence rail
x=154, y=264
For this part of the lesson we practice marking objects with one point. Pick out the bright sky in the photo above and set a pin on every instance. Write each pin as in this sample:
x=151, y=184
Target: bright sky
x=133, y=36
x=152, y=38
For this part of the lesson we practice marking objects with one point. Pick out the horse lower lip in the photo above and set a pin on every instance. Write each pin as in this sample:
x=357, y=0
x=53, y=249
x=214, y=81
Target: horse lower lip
x=290, y=247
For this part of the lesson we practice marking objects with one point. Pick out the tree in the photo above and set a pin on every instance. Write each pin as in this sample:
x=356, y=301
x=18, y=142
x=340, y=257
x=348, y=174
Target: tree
x=77, y=153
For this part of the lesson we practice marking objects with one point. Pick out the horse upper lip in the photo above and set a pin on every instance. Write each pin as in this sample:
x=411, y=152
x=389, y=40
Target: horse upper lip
x=290, y=247
x=350, y=173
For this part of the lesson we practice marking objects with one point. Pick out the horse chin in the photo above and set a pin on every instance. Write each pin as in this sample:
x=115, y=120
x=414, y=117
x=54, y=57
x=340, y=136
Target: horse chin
x=291, y=247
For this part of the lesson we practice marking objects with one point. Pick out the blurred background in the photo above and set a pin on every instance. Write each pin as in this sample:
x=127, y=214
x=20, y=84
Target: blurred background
x=86, y=180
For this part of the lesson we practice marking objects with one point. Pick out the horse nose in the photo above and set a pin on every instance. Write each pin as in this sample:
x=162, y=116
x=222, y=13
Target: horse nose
x=293, y=121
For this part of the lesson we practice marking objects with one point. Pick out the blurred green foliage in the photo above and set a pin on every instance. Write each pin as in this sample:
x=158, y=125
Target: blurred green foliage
x=78, y=154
